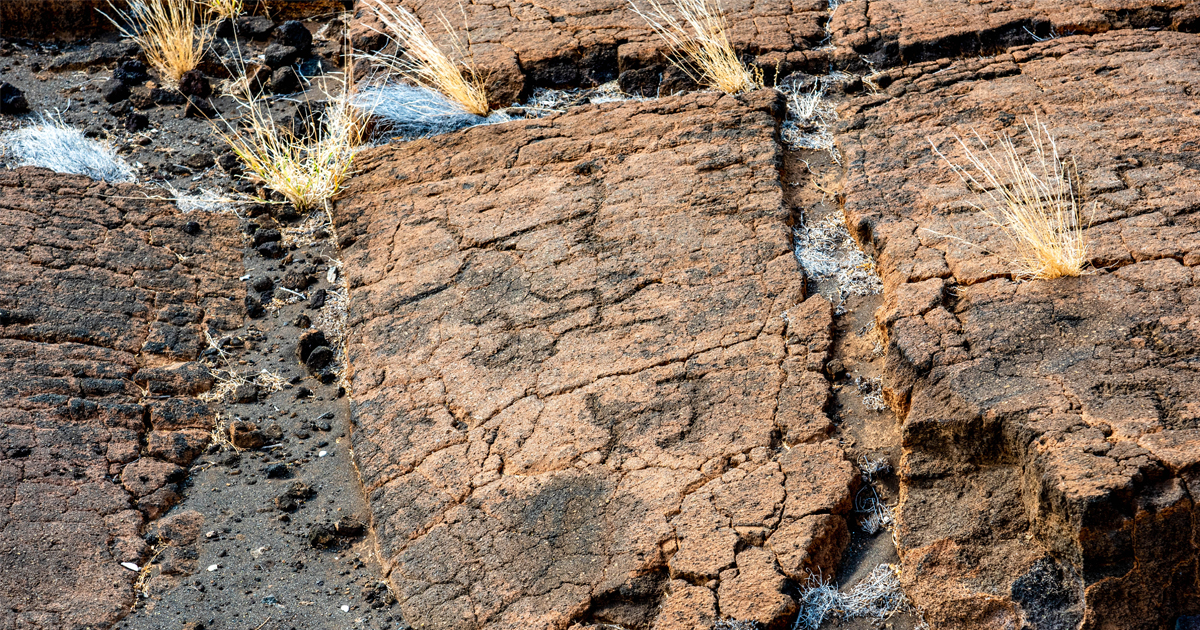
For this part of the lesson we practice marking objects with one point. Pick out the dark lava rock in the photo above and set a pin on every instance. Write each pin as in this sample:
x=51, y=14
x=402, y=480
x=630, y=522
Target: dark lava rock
x=309, y=340
x=270, y=249
x=132, y=72
x=274, y=432
x=278, y=55
x=278, y=471
x=245, y=393
x=262, y=283
x=254, y=307
x=322, y=535
x=167, y=97
x=293, y=33
x=141, y=98
x=302, y=321
x=229, y=163
x=12, y=100
x=319, y=358
x=194, y=83
x=200, y=108
x=191, y=227
x=199, y=160
x=266, y=236
x=350, y=525
x=114, y=91
x=297, y=281
x=245, y=435
x=303, y=392
x=318, y=298
x=285, y=81
x=255, y=27
x=99, y=53
x=135, y=122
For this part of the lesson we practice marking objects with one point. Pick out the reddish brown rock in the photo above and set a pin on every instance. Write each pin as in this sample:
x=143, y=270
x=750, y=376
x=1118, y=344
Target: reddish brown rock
x=95, y=283
x=572, y=340
x=891, y=32
x=587, y=43
x=1049, y=426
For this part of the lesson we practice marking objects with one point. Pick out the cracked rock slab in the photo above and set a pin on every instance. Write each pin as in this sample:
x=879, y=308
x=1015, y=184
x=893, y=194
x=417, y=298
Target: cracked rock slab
x=569, y=44
x=1050, y=469
x=578, y=348
x=103, y=302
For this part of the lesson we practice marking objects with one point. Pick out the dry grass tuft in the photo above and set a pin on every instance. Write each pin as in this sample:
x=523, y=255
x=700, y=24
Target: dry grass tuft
x=166, y=32
x=700, y=43
x=225, y=9
x=423, y=63
x=306, y=172
x=1034, y=199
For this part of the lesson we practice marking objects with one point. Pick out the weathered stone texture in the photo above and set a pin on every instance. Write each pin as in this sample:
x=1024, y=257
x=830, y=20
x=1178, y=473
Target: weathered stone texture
x=561, y=44
x=103, y=299
x=1050, y=426
x=584, y=371
x=892, y=32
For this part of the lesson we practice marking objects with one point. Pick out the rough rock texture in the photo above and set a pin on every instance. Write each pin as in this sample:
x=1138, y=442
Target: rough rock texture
x=891, y=32
x=103, y=301
x=1051, y=428
x=557, y=44
x=585, y=378
x=65, y=19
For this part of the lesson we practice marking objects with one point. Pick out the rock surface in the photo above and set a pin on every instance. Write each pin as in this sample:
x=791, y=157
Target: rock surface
x=1050, y=427
x=103, y=303
x=566, y=44
x=892, y=32
x=586, y=382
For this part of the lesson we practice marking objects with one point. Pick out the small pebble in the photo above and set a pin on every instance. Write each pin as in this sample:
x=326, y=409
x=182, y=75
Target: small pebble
x=345, y=609
x=213, y=567
x=131, y=566
x=322, y=454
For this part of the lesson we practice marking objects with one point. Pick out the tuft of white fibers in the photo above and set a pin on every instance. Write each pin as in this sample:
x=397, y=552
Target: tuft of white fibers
x=545, y=101
x=810, y=118
x=872, y=393
x=877, y=596
x=410, y=112
x=201, y=199
x=825, y=250
x=54, y=145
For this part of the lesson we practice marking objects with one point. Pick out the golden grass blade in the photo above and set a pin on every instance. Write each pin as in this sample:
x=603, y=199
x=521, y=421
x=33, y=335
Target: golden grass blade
x=700, y=44
x=1034, y=200
x=307, y=173
x=225, y=9
x=421, y=62
x=167, y=33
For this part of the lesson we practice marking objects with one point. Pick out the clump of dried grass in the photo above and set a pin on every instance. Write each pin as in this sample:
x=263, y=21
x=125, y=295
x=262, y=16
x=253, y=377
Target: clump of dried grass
x=1035, y=200
x=700, y=44
x=225, y=9
x=878, y=595
x=167, y=33
x=307, y=172
x=424, y=64
x=810, y=119
x=826, y=251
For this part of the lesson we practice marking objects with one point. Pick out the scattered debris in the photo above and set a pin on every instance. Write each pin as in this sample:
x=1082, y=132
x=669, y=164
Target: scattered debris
x=825, y=250
x=876, y=596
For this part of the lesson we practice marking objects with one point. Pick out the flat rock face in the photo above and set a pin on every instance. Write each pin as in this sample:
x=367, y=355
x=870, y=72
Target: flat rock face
x=1050, y=427
x=561, y=44
x=586, y=383
x=103, y=303
x=891, y=32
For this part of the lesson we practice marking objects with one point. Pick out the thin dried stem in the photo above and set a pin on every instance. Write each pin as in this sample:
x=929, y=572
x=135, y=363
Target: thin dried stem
x=423, y=63
x=1034, y=199
x=166, y=32
x=700, y=44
